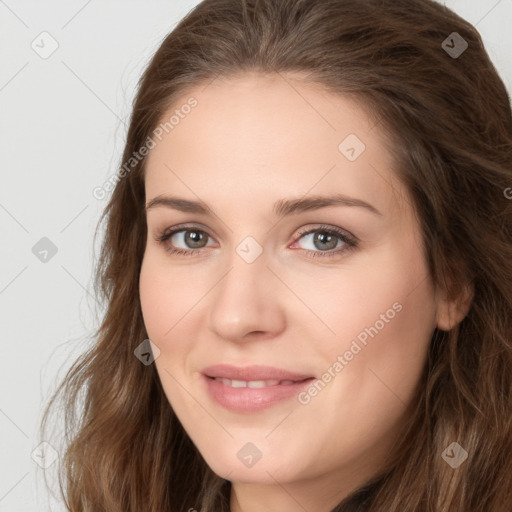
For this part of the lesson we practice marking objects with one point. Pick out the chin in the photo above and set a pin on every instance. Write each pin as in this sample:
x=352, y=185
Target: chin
x=262, y=471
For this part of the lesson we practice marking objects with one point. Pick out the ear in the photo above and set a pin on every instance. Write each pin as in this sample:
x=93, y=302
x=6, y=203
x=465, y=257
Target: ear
x=451, y=311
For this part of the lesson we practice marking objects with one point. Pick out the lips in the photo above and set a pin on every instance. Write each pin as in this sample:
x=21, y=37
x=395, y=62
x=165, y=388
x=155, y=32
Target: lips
x=233, y=383
x=252, y=388
x=253, y=373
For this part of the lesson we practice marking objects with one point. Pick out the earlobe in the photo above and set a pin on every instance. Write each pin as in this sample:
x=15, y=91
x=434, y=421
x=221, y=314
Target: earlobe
x=451, y=312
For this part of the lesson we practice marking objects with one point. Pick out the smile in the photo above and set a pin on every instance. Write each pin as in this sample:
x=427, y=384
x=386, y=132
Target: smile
x=251, y=396
x=253, y=383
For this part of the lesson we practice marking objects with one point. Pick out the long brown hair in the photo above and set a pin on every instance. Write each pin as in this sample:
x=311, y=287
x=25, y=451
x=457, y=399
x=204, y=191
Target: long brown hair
x=448, y=118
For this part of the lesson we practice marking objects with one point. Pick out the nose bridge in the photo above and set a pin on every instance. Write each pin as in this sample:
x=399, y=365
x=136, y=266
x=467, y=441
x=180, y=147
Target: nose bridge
x=246, y=275
x=247, y=263
x=246, y=298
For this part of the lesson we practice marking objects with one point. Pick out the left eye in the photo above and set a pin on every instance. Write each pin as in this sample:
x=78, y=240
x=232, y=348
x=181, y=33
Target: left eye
x=326, y=241
x=322, y=241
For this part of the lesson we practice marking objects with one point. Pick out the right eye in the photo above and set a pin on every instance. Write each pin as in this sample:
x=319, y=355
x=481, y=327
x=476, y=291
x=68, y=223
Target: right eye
x=191, y=239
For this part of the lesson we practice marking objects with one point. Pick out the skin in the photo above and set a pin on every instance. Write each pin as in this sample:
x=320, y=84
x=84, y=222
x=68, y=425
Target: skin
x=252, y=140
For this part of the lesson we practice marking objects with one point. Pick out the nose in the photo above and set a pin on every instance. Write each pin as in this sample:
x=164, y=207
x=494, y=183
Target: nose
x=247, y=303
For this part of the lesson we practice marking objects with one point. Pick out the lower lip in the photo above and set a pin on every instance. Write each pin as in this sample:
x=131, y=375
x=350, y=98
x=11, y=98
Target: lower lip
x=252, y=399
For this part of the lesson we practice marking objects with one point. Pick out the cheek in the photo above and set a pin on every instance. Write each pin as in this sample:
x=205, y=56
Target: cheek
x=383, y=319
x=164, y=301
x=166, y=295
x=154, y=304
x=390, y=299
x=374, y=379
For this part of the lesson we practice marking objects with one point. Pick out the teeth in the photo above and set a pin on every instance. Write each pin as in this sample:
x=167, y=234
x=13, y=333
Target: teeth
x=251, y=383
x=262, y=383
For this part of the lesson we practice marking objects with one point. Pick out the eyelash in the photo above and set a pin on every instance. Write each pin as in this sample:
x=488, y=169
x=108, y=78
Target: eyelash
x=349, y=240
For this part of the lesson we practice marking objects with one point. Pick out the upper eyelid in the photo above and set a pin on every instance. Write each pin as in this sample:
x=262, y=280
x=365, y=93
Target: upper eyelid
x=179, y=228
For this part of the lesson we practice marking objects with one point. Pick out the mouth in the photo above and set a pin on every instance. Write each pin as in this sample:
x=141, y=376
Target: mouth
x=254, y=373
x=254, y=388
x=256, y=384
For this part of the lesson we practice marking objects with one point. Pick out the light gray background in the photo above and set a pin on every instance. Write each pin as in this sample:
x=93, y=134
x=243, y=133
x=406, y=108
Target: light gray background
x=62, y=126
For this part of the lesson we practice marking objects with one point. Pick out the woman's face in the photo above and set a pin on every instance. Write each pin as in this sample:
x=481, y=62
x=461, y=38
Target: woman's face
x=301, y=261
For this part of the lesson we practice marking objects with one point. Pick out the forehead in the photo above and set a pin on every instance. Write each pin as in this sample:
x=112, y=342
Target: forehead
x=270, y=136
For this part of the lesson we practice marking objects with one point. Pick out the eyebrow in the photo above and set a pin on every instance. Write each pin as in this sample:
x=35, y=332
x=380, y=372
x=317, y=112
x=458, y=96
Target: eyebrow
x=281, y=208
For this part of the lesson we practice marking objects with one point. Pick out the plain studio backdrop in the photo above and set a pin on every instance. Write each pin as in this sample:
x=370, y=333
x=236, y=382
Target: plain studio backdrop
x=67, y=79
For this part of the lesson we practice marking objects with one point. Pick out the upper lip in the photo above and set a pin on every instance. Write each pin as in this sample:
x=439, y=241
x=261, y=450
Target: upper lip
x=251, y=373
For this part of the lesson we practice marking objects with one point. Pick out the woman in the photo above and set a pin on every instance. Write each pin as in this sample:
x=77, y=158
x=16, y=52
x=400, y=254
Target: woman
x=307, y=268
